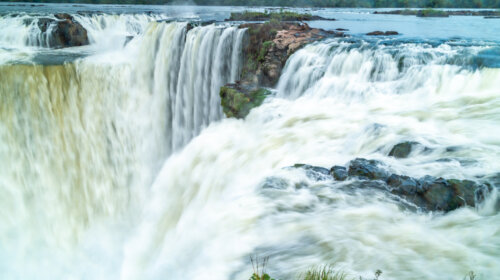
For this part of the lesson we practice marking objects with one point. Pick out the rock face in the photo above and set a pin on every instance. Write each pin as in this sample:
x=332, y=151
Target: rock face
x=427, y=193
x=64, y=32
x=267, y=48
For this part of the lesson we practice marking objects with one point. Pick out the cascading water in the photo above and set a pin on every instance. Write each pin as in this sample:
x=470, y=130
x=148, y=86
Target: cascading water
x=82, y=141
x=119, y=164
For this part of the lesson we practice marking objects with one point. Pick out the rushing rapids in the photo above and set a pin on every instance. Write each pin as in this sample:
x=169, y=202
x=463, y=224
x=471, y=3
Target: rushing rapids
x=118, y=163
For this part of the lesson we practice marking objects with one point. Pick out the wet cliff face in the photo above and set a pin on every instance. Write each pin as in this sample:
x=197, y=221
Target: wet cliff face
x=268, y=47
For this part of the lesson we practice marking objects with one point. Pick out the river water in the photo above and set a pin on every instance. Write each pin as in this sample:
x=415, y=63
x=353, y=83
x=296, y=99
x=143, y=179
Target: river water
x=116, y=161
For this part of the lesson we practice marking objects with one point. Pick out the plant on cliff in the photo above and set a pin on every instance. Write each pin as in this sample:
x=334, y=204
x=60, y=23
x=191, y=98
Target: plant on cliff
x=237, y=104
x=264, y=49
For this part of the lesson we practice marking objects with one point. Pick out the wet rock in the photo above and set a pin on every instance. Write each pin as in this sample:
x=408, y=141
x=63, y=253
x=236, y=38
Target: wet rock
x=68, y=33
x=367, y=169
x=438, y=194
x=64, y=32
x=63, y=16
x=382, y=33
x=127, y=40
x=403, y=184
x=464, y=192
x=314, y=172
x=237, y=101
x=339, y=173
x=402, y=150
x=43, y=23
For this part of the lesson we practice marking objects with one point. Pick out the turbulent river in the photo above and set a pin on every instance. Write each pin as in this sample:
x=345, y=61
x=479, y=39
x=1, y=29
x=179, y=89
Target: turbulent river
x=116, y=161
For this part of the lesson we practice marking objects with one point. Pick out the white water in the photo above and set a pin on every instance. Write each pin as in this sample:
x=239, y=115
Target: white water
x=81, y=142
x=87, y=190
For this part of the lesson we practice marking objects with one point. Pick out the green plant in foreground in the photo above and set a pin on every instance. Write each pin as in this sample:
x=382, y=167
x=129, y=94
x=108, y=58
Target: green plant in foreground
x=324, y=273
x=259, y=269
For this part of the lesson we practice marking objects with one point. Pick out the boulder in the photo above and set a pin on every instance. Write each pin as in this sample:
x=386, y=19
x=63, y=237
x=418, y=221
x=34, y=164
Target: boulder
x=402, y=150
x=367, y=169
x=64, y=32
x=339, y=173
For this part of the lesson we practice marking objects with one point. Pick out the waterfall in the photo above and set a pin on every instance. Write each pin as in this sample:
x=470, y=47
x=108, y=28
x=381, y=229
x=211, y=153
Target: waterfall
x=358, y=69
x=119, y=164
x=92, y=134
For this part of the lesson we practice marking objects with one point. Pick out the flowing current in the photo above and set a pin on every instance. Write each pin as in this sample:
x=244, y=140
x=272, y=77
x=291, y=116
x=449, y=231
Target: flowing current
x=119, y=164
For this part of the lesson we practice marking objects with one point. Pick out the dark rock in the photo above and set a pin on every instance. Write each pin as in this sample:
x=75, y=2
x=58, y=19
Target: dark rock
x=464, y=192
x=381, y=33
x=68, y=33
x=339, y=173
x=403, y=184
x=402, y=150
x=438, y=194
x=127, y=40
x=368, y=169
x=390, y=33
x=65, y=32
x=237, y=101
x=342, y=29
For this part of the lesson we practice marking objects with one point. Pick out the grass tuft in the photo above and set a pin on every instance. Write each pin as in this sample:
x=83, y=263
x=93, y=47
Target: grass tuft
x=324, y=273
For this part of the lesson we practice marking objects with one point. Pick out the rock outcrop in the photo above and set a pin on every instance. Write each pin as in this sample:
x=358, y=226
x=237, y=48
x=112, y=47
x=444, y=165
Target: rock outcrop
x=427, y=193
x=267, y=48
x=64, y=31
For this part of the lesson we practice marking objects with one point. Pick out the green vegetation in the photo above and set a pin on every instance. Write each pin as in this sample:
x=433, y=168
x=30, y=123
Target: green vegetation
x=431, y=13
x=264, y=49
x=299, y=3
x=264, y=16
x=324, y=273
x=237, y=104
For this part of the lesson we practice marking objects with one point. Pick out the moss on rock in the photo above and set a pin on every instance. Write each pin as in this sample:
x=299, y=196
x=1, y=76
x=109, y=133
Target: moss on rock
x=237, y=103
